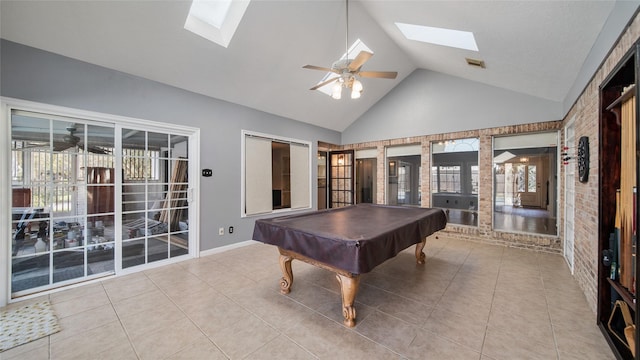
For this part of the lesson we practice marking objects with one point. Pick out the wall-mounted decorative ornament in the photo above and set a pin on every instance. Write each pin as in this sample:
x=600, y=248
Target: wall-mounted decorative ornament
x=583, y=159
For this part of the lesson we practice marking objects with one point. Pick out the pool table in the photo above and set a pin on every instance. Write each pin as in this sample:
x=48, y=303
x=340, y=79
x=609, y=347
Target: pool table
x=349, y=241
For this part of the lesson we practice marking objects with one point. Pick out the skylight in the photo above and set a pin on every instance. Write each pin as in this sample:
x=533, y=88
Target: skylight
x=439, y=36
x=353, y=51
x=216, y=21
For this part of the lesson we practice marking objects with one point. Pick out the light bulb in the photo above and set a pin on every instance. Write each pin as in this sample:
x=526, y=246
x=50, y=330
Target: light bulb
x=336, y=91
x=357, y=85
x=356, y=89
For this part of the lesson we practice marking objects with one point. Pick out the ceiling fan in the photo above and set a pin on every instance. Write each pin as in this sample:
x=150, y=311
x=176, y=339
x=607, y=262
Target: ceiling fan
x=349, y=70
x=71, y=140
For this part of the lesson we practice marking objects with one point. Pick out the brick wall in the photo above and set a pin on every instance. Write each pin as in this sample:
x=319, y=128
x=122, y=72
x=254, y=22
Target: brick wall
x=484, y=232
x=585, y=116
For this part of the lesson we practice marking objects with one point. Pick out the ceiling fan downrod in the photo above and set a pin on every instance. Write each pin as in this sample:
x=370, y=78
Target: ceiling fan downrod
x=346, y=40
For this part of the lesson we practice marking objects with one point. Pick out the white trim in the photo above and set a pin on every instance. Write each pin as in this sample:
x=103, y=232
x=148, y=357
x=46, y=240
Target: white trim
x=225, y=248
x=128, y=122
x=194, y=193
x=117, y=254
x=5, y=186
x=570, y=262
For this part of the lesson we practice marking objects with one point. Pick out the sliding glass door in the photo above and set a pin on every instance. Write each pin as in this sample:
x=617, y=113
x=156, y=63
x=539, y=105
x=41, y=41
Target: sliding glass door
x=90, y=198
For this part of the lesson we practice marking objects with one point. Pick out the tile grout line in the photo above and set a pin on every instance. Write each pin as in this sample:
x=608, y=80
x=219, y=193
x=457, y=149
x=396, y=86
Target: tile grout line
x=546, y=301
x=185, y=314
x=445, y=290
x=486, y=326
x=135, y=351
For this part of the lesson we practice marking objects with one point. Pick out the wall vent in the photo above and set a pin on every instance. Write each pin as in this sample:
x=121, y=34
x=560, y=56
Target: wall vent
x=475, y=62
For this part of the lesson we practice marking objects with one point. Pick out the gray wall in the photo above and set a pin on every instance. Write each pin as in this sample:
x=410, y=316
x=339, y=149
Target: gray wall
x=428, y=102
x=35, y=75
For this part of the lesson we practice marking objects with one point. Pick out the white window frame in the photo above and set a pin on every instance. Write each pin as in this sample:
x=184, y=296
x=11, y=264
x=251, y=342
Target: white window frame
x=311, y=164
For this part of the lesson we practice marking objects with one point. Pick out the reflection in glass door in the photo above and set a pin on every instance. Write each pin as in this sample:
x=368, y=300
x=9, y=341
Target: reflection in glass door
x=155, y=217
x=62, y=211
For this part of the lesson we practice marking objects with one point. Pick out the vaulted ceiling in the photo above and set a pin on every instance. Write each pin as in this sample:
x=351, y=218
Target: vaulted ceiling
x=535, y=48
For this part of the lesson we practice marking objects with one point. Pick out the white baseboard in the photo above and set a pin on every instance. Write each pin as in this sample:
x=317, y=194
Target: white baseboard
x=222, y=249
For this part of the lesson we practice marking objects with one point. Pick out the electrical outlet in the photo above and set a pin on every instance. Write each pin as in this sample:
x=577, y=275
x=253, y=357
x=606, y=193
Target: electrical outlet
x=230, y=229
x=221, y=231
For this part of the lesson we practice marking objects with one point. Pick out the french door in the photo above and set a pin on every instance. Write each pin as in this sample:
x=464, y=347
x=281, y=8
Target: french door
x=90, y=198
x=341, y=179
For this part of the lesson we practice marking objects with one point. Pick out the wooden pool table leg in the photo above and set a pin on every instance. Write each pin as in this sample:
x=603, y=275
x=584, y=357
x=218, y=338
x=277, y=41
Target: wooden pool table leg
x=348, y=289
x=287, y=274
x=420, y=256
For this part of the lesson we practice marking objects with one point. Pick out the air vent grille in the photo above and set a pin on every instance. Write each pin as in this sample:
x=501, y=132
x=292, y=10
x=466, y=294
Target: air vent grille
x=475, y=62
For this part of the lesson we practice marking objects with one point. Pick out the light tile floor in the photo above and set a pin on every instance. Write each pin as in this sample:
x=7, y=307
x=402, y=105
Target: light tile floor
x=469, y=301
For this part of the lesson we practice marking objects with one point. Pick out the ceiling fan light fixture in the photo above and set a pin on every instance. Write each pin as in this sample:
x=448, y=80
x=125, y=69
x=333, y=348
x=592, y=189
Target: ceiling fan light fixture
x=347, y=69
x=356, y=89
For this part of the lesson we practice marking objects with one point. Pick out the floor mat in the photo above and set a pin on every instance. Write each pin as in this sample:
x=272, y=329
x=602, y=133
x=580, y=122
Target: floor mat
x=20, y=325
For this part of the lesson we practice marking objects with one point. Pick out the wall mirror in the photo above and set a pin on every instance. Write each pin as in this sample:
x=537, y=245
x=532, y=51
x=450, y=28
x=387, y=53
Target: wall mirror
x=525, y=188
x=454, y=179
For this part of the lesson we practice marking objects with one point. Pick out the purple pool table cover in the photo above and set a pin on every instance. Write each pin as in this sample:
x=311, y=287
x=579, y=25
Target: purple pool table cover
x=355, y=238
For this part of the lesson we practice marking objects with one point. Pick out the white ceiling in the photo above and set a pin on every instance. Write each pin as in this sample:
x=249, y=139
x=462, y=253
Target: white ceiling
x=531, y=47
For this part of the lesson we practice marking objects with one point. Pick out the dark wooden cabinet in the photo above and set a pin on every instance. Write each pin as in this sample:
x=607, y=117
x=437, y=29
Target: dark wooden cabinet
x=618, y=175
x=100, y=191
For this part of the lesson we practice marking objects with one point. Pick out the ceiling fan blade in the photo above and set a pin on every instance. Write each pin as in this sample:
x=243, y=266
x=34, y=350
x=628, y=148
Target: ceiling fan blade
x=61, y=146
x=95, y=149
x=379, y=74
x=362, y=58
x=313, y=67
x=325, y=83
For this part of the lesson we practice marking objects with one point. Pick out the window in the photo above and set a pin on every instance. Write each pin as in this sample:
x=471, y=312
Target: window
x=439, y=36
x=276, y=174
x=216, y=21
x=446, y=179
x=525, y=184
